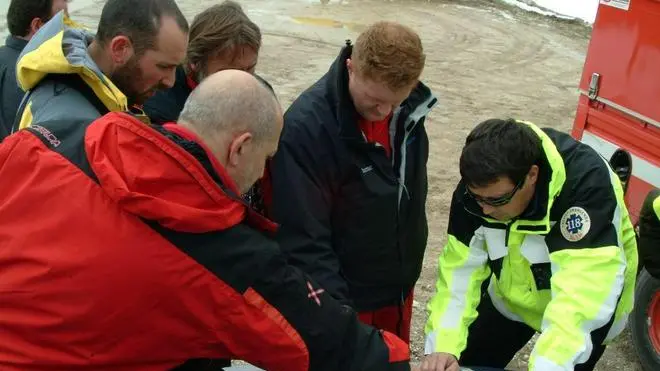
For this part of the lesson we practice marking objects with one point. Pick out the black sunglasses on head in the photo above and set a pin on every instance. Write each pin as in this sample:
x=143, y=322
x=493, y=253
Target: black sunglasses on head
x=495, y=201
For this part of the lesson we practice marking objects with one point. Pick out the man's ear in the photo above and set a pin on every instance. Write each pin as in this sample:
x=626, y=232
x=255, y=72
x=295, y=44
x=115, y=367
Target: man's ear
x=349, y=64
x=35, y=25
x=121, y=49
x=237, y=149
x=533, y=174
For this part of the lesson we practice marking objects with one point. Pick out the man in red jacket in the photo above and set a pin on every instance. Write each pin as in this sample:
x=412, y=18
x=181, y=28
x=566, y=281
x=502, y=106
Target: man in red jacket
x=127, y=247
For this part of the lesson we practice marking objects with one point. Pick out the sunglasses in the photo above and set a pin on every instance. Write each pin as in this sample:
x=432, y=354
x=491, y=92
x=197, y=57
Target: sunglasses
x=495, y=201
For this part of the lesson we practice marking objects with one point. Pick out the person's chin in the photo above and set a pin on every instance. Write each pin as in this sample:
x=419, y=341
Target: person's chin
x=149, y=94
x=142, y=98
x=372, y=117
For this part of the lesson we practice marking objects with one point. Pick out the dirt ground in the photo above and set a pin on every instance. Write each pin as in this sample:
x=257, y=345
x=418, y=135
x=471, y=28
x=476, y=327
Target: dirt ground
x=484, y=60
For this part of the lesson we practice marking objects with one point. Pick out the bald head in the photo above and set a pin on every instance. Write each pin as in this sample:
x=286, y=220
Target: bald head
x=240, y=120
x=230, y=102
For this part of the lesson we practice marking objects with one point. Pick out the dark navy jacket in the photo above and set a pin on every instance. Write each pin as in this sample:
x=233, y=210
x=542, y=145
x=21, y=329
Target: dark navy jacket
x=11, y=93
x=350, y=216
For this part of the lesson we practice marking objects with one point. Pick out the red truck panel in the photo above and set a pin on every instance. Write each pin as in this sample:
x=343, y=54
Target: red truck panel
x=625, y=51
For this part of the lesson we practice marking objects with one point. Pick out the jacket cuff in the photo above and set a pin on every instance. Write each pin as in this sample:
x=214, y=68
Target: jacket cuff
x=431, y=346
x=398, y=350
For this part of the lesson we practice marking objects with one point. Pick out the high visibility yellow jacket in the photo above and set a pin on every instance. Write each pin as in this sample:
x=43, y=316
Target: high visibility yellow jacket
x=566, y=267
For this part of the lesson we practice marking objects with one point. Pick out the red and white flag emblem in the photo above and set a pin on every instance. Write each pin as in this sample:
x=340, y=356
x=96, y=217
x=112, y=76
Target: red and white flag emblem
x=314, y=294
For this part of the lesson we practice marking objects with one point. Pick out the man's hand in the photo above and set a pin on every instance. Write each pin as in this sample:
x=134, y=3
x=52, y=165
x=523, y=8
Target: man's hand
x=439, y=362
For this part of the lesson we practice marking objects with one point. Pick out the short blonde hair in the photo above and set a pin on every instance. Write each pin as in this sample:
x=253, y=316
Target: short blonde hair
x=391, y=53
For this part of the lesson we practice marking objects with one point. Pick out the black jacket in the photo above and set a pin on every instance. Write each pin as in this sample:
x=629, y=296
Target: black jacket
x=351, y=217
x=11, y=93
x=649, y=235
x=166, y=105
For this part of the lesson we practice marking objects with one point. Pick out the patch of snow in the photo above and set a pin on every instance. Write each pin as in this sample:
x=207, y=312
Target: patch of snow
x=506, y=15
x=567, y=9
x=532, y=8
x=582, y=9
x=471, y=8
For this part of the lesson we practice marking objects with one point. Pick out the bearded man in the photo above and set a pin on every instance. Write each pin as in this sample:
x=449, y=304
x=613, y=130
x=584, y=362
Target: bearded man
x=70, y=73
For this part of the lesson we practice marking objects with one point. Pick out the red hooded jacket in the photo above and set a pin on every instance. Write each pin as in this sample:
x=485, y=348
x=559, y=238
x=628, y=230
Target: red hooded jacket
x=126, y=247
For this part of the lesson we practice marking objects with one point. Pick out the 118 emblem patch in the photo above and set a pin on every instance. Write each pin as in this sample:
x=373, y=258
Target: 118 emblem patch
x=575, y=224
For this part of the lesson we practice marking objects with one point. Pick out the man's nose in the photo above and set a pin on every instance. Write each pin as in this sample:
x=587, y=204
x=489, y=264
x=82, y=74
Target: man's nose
x=169, y=79
x=487, y=209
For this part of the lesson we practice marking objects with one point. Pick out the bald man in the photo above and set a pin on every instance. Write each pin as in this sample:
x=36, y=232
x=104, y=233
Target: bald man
x=127, y=247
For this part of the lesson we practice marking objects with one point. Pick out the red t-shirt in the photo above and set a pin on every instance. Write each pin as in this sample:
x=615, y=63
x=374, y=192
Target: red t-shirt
x=378, y=132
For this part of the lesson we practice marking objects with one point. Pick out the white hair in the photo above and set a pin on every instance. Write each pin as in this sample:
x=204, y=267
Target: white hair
x=230, y=102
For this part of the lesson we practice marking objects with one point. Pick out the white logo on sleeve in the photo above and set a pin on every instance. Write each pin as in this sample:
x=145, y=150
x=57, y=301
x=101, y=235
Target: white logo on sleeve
x=575, y=224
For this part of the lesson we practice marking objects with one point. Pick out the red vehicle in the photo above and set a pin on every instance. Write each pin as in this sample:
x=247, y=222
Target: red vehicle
x=618, y=114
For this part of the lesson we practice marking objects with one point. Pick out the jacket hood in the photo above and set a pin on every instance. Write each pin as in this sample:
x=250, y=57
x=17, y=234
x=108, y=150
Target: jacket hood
x=60, y=47
x=172, y=180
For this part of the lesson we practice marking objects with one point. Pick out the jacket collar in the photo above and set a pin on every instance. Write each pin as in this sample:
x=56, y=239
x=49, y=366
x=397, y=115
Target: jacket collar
x=223, y=178
x=340, y=98
x=15, y=43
